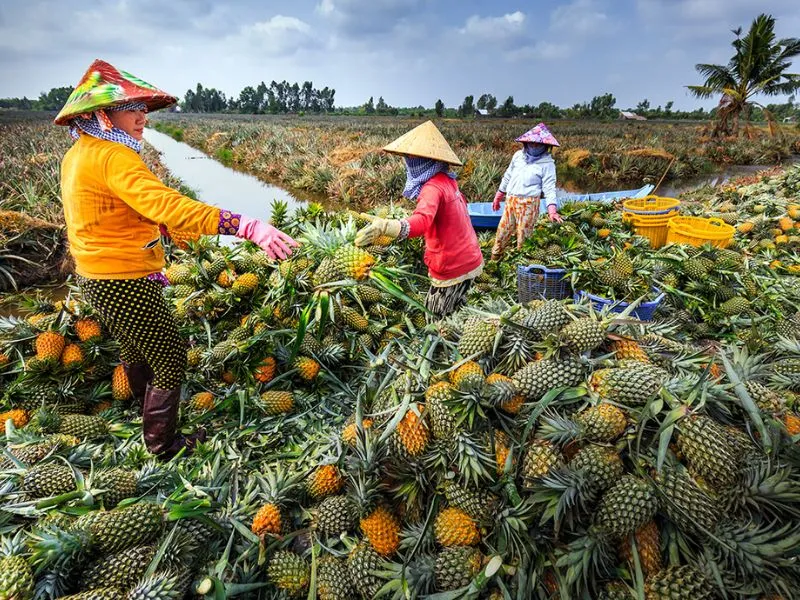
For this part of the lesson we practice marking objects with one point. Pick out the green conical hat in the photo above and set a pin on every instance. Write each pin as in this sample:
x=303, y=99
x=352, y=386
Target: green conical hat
x=426, y=141
x=105, y=86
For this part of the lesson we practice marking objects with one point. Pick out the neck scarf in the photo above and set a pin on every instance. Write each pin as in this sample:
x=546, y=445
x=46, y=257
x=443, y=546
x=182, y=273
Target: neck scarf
x=98, y=125
x=419, y=171
x=534, y=153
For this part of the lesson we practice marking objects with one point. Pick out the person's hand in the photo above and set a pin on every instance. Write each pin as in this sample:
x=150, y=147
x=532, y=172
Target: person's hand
x=552, y=214
x=272, y=241
x=377, y=228
x=498, y=198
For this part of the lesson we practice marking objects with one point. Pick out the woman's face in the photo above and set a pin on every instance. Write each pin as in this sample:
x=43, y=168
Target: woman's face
x=131, y=122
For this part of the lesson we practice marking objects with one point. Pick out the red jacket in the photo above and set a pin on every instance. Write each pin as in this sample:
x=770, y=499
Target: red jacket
x=451, y=246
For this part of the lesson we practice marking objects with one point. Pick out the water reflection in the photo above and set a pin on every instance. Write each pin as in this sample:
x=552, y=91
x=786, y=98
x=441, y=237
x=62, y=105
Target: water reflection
x=217, y=184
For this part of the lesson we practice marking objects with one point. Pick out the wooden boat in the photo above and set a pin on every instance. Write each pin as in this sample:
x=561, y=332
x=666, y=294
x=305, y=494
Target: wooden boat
x=483, y=217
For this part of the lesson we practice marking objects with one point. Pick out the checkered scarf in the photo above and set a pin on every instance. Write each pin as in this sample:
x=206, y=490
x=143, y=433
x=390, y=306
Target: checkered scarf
x=97, y=124
x=419, y=171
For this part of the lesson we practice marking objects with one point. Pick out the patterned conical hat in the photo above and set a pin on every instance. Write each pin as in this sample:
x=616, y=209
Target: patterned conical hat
x=104, y=86
x=539, y=134
x=426, y=141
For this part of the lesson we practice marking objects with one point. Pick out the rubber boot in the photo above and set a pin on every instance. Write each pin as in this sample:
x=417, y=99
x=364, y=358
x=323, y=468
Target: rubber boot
x=139, y=375
x=160, y=421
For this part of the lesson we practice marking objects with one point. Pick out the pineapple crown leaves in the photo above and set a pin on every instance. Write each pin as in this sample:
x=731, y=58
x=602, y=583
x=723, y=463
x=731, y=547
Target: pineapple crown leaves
x=768, y=489
x=587, y=560
x=55, y=549
x=747, y=402
x=566, y=497
x=280, y=486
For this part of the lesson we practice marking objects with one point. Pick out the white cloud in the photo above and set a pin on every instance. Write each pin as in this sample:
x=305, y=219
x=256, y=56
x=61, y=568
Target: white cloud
x=277, y=36
x=511, y=24
x=540, y=51
x=369, y=17
x=583, y=17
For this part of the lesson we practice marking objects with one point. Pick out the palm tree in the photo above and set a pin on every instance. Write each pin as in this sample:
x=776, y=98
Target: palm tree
x=758, y=67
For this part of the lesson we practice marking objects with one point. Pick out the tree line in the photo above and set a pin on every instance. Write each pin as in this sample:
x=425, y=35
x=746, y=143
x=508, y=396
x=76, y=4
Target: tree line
x=277, y=98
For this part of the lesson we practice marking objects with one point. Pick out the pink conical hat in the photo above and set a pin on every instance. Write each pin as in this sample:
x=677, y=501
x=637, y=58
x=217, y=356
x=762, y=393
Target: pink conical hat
x=539, y=134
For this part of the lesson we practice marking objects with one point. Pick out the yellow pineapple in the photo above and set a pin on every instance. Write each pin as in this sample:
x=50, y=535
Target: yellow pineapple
x=326, y=480
x=382, y=529
x=786, y=224
x=629, y=350
x=202, y=402
x=467, y=375
x=226, y=278
x=454, y=527
x=648, y=545
x=18, y=416
x=268, y=520
x=49, y=346
x=72, y=355
x=87, y=329
x=307, y=368
x=354, y=262
x=792, y=423
x=265, y=371
x=350, y=431
x=412, y=433
x=277, y=402
x=245, y=284
x=120, y=387
x=746, y=227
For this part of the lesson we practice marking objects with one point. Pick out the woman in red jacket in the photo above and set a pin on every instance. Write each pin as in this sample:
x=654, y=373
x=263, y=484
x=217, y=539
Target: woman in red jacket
x=452, y=253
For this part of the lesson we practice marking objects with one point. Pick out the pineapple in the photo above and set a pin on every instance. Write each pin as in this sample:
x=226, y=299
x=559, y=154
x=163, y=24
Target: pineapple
x=328, y=271
x=411, y=436
x=540, y=458
x=456, y=567
x=381, y=528
x=708, y=450
x=362, y=563
x=625, y=507
x=88, y=329
x=686, y=505
x=648, y=545
x=268, y=520
x=49, y=479
x=333, y=580
x=201, y=402
x=226, y=278
x=735, y=306
x=352, y=318
x=335, y=515
x=19, y=417
x=477, y=337
x=454, y=527
x=536, y=379
x=601, y=423
x=350, y=431
x=104, y=593
x=479, y=505
x=307, y=368
x=547, y=318
x=629, y=350
x=631, y=385
x=245, y=284
x=122, y=528
x=438, y=396
x=163, y=584
x=49, y=346
x=601, y=466
x=502, y=389
x=583, y=335
x=468, y=376
x=119, y=484
x=72, y=356
x=679, y=583
x=266, y=369
x=121, y=570
x=353, y=262
x=326, y=480
x=276, y=402
x=16, y=575
x=82, y=426
x=367, y=294
x=179, y=274
x=120, y=387
x=33, y=453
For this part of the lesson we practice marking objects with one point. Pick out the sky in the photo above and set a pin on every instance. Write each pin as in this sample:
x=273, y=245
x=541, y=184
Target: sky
x=411, y=52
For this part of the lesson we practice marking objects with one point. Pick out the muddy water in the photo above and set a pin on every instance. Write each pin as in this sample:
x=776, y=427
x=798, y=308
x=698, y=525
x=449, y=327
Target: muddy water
x=673, y=189
x=215, y=183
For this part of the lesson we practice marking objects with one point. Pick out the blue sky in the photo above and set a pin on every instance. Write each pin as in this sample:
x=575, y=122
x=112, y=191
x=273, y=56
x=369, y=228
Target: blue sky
x=409, y=51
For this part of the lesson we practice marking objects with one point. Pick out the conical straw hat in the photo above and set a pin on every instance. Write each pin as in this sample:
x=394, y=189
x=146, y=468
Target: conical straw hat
x=426, y=141
x=105, y=86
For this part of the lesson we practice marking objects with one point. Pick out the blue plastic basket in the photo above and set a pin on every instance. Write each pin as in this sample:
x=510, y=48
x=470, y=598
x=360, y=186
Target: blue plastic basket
x=537, y=282
x=643, y=312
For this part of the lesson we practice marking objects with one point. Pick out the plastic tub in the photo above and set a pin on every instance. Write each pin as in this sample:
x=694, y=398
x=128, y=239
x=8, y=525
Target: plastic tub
x=697, y=231
x=537, y=282
x=643, y=312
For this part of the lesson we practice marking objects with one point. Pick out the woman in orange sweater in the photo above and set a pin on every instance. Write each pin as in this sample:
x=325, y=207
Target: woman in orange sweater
x=113, y=206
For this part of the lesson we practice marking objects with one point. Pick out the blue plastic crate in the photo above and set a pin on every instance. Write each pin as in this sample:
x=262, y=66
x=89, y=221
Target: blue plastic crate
x=643, y=312
x=537, y=282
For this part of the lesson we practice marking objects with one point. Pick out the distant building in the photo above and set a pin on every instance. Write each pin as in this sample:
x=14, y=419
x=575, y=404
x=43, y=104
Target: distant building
x=481, y=112
x=631, y=116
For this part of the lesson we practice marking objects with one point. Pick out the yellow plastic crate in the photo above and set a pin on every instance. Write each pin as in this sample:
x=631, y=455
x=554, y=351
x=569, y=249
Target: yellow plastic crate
x=651, y=205
x=697, y=231
x=653, y=227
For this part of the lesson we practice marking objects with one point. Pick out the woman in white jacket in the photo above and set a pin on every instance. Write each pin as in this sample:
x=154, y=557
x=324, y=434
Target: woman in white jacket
x=530, y=175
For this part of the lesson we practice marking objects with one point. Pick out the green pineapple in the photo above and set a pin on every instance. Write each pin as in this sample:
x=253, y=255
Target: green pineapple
x=353, y=262
x=478, y=504
x=162, y=585
x=121, y=570
x=679, y=583
x=119, y=484
x=456, y=567
x=122, y=528
x=16, y=575
x=583, y=335
x=49, y=479
x=335, y=515
x=541, y=457
x=32, y=453
x=632, y=385
x=536, y=379
x=735, y=306
x=333, y=580
x=368, y=294
x=82, y=426
x=179, y=274
x=601, y=466
x=438, y=399
x=361, y=563
x=352, y=318
x=686, y=505
x=477, y=337
x=547, y=318
x=328, y=271
x=708, y=450
x=288, y=571
x=104, y=593
x=625, y=507
x=616, y=590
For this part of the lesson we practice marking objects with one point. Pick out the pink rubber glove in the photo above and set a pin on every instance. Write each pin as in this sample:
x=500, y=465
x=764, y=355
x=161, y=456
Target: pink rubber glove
x=498, y=197
x=552, y=213
x=272, y=241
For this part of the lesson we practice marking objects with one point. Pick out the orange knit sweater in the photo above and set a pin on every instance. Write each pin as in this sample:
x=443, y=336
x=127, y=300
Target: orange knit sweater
x=112, y=206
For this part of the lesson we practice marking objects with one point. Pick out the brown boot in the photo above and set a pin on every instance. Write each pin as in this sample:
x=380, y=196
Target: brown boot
x=139, y=375
x=159, y=423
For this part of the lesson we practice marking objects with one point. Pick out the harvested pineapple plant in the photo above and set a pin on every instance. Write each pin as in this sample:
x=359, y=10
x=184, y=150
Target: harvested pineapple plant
x=533, y=450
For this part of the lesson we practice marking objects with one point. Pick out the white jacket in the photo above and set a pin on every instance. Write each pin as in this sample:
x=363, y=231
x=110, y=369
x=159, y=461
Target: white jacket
x=531, y=180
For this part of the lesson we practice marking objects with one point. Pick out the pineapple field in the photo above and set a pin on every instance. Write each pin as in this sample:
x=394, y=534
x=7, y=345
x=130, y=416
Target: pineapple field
x=534, y=448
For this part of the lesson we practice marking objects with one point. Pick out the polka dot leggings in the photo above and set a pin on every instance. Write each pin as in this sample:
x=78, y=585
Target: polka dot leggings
x=136, y=314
